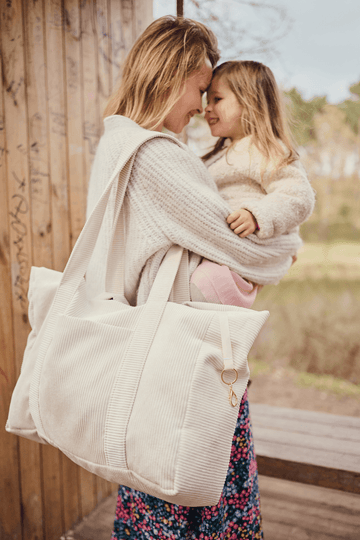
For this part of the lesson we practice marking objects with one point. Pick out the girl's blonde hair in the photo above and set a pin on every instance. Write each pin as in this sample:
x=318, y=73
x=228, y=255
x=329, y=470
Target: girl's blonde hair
x=263, y=116
x=160, y=61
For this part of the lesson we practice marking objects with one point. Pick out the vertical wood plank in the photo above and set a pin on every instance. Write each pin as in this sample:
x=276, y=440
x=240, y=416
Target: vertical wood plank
x=102, y=30
x=122, y=36
x=20, y=239
x=10, y=517
x=55, y=68
x=40, y=193
x=77, y=205
x=143, y=15
x=57, y=132
x=91, y=126
x=76, y=174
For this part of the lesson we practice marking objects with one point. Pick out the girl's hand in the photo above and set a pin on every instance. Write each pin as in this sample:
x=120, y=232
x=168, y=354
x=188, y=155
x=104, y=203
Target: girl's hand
x=242, y=222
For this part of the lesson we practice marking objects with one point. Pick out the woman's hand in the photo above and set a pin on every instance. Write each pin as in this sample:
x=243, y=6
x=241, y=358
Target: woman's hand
x=242, y=222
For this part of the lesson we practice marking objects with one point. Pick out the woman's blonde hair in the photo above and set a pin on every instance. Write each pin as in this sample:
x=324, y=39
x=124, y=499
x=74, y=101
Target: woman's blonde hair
x=263, y=116
x=160, y=61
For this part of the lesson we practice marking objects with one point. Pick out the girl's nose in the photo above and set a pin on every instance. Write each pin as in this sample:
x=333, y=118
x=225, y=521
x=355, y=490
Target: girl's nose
x=207, y=108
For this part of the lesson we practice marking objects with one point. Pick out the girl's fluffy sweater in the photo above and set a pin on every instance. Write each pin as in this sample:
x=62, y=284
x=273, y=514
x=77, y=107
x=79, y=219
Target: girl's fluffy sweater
x=279, y=199
x=172, y=199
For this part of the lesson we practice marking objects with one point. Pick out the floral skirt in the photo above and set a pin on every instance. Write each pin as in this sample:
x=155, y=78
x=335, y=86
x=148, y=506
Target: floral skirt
x=236, y=516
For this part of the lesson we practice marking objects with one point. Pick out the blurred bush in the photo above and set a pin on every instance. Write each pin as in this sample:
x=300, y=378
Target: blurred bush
x=336, y=215
x=313, y=327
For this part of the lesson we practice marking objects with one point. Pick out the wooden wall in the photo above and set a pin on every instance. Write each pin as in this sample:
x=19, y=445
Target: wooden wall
x=60, y=60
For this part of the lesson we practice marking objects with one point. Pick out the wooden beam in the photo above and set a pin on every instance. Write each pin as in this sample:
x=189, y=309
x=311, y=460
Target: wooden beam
x=308, y=447
x=180, y=8
x=306, y=473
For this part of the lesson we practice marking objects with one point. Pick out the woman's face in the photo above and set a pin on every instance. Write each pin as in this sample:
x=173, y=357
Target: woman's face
x=223, y=111
x=190, y=102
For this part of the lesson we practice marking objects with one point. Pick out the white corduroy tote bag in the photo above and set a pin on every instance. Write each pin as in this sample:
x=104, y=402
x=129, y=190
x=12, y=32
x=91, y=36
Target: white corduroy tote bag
x=145, y=396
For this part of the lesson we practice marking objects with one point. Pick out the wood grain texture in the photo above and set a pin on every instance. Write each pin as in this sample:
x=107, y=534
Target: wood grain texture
x=121, y=37
x=20, y=247
x=37, y=113
x=90, y=98
x=103, y=45
x=144, y=16
x=75, y=119
x=60, y=61
x=10, y=523
x=302, y=512
x=308, y=447
x=57, y=128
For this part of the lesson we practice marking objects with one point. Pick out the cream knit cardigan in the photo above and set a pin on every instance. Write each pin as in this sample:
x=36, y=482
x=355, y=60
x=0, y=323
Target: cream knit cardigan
x=172, y=199
x=280, y=199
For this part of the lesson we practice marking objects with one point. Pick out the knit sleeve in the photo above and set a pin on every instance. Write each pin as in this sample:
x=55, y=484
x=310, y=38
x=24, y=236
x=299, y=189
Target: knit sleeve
x=174, y=195
x=289, y=201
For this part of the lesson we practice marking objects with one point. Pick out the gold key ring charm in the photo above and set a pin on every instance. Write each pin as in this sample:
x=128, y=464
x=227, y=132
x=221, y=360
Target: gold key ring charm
x=236, y=376
x=233, y=400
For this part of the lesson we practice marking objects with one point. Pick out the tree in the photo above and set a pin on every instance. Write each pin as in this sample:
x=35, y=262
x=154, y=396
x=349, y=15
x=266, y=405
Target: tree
x=301, y=114
x=242, y=27
x=351, y=108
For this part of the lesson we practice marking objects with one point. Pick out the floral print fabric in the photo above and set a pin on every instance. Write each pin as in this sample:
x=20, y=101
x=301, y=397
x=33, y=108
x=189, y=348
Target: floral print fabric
x=236, y=516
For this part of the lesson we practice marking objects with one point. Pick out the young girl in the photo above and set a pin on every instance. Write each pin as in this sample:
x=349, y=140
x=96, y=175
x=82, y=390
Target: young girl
x=256, y=169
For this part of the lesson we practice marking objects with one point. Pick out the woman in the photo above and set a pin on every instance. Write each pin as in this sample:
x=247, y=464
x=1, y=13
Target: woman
x=171, y=199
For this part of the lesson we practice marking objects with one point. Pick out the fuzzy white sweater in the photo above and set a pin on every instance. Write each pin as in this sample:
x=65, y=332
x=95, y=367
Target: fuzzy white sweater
x=171, y=199
x=279, y=199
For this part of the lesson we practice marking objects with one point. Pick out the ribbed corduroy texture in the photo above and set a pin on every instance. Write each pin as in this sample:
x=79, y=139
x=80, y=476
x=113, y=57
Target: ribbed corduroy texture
x=133, y=394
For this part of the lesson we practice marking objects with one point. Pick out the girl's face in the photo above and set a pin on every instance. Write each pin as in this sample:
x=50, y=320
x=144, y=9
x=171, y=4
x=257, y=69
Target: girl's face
x=190, y=102
x=223, y=111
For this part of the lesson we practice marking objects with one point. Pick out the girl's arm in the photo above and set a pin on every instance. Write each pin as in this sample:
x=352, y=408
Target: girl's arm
x=289, y=201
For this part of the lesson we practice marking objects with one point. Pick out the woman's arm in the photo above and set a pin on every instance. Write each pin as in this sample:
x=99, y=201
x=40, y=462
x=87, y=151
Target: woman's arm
x=173, y=194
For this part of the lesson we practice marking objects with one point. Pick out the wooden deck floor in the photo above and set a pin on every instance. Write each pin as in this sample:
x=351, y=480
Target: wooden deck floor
x=291, y=511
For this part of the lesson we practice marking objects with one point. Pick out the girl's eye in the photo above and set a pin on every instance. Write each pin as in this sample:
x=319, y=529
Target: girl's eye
x=216, y=99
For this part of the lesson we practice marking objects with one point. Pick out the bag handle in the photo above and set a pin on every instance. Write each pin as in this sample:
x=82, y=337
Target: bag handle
x=115, y=273
x=80, y=257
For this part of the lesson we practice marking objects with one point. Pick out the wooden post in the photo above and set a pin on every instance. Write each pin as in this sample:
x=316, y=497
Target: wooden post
x=10, y=495
x=180, y=8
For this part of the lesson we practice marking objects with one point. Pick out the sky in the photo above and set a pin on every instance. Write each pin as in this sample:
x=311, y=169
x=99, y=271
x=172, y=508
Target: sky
x=320, y=54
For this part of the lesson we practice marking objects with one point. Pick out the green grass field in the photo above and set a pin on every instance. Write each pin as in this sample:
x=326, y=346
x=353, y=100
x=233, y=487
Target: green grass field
x=314, y=323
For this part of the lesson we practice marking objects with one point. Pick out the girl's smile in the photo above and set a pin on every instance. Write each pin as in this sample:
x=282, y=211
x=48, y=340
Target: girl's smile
x=223, y=111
